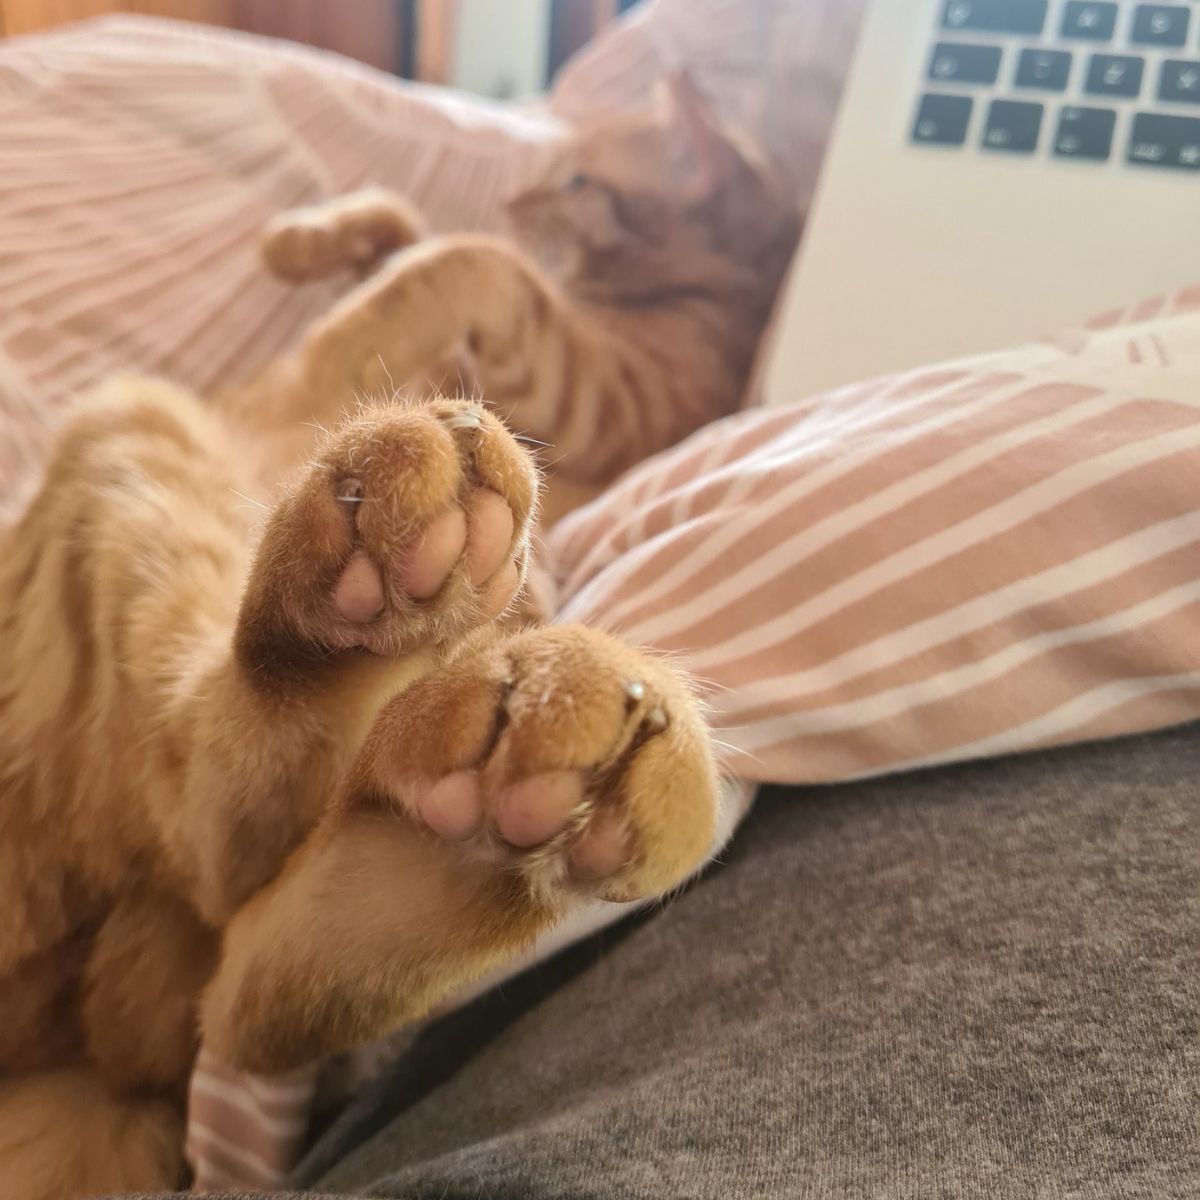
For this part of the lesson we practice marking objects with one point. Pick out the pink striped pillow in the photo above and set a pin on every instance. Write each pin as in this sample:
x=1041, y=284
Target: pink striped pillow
x=979, y=558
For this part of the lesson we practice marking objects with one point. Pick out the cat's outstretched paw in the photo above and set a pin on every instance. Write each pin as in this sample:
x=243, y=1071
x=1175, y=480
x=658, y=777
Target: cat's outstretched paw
x=527, y=771
x=355, y=232
x=411, y=528
x=559, y=754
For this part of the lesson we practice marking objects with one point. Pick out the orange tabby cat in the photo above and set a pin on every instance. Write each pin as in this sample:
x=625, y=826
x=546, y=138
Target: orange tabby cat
x=314, y=783
x=289, y=782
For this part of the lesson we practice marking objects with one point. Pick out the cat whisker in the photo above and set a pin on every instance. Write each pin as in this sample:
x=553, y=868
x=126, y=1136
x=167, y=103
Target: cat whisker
x=391, y=381
x=708, y=685
x=736, y=753
x=251, y=500
x=726, y=745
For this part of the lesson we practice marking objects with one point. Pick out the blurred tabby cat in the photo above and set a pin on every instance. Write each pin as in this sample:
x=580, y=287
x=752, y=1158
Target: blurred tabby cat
x=288, y=781
x=625, y=315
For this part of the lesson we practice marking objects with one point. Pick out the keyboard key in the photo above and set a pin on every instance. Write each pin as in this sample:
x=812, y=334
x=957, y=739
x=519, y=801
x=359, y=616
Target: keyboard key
x=952, y=63
x=1163, y=141
x=1085, y=133
x=1013, y=126
x=1114, y=75
x=995, y=16
x=942, y=120
x=1047, y=69
x=1179, y=81
x=1090, y=19
x=1160, y=25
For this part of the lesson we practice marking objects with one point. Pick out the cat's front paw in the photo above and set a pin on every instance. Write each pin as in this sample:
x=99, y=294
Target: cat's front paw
x=355, y=232
x=411, y=528
x=559, y=754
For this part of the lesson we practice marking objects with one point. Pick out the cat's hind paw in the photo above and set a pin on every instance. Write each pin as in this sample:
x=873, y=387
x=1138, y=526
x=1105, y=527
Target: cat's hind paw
x=528, y=772
x=411, y=528
x=560, y=755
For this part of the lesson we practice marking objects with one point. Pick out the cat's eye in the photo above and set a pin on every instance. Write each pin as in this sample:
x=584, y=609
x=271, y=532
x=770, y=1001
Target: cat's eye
x=576, y=182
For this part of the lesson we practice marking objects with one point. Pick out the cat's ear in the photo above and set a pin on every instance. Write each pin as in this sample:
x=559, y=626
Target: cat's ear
x=705, y=156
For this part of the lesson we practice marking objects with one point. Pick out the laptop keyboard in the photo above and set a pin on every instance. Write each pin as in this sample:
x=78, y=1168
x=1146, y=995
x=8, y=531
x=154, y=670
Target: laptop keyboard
x=1094, y=80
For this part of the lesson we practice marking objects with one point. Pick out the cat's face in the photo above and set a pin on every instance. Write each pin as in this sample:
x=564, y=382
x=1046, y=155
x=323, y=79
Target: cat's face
x=626, y=183
x=609, y=186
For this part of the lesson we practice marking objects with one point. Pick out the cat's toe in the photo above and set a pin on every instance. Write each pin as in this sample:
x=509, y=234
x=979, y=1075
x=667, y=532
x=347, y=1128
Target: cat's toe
x=557, y=809
x=498, y=593
x=604, y=849
x=421, y=570
x=532, y=811
x=453, y=806
x=298, y=247
x=358, y=595
x=489, y=534
x=479, y=538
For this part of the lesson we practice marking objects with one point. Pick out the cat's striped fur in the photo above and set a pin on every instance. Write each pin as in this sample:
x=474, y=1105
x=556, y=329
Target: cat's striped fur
x=625, y=314
x=287, y=780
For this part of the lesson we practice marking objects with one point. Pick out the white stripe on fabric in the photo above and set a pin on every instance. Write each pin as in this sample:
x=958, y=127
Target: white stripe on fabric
x=1031, y=501
x=854, y=714
x=1055, y=726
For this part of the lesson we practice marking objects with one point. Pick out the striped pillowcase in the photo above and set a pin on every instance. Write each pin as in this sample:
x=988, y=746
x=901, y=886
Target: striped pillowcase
x=975, y=559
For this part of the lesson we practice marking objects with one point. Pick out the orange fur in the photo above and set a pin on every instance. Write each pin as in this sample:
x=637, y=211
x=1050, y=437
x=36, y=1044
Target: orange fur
x=274, y=777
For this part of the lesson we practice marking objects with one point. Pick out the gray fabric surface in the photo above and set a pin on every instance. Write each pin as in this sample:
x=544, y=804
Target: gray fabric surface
x=978, y=982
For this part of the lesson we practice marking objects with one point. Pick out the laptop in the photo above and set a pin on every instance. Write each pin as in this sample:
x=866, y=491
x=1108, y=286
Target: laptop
x=999, y=170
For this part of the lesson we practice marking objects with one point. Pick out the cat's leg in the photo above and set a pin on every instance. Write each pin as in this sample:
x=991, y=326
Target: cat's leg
x=139, y=993
x=428, y=301
x=213, y=730
x=354, y=232
x=38, y=1026
x=65, y=1135
x=118, y=566
x=410, y=529
x=527, y=774
x=600, y=393
x=171, y=752
x=283, y=407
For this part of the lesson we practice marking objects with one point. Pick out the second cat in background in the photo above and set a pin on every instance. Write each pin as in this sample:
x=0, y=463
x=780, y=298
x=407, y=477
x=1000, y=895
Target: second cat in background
x=623, y=315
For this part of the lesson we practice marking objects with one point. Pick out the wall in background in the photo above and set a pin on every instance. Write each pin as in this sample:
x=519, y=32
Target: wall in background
x=502, y=47
x=496, y=47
